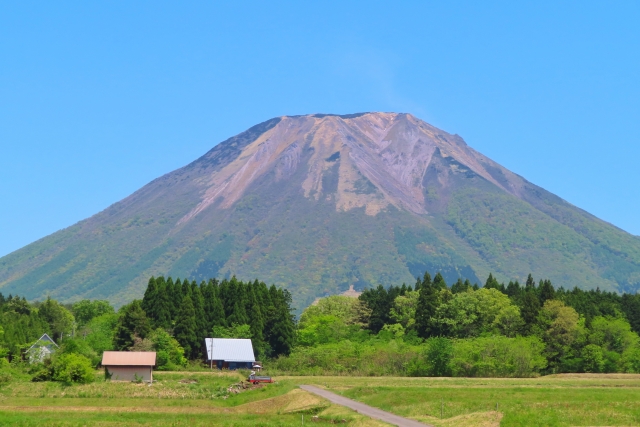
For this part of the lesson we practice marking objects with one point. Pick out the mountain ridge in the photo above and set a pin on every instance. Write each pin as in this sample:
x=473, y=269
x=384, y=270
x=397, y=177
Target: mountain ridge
x=278, y=200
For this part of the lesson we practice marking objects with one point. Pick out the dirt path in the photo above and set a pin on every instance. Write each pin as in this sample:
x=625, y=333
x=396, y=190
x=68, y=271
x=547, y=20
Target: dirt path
x=363, y=409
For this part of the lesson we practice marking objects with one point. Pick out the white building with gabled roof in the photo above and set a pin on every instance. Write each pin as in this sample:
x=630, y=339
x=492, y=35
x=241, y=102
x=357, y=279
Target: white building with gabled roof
x=229, y=353
x=42, y=349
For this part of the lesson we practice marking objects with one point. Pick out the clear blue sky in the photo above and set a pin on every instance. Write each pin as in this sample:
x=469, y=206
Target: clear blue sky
x=99, y=98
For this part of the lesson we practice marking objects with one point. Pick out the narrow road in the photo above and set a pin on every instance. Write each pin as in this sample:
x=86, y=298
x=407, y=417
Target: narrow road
x=363, y=409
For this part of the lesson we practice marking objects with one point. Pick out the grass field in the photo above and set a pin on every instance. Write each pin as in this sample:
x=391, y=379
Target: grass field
x=196, y=399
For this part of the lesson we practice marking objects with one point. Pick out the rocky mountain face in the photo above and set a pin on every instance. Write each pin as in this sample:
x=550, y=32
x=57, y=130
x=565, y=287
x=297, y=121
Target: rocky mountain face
x=320, y=202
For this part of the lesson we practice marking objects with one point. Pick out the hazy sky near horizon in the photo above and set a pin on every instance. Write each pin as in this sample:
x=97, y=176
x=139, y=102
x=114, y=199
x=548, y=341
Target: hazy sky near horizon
x=99, y=98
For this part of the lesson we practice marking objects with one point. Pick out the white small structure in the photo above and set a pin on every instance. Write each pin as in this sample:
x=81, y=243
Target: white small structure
x=129, y=365
x=230, y=353
x=42, y=349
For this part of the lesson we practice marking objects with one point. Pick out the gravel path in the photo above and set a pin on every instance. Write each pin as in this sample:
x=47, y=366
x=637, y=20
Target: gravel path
x=363, y=409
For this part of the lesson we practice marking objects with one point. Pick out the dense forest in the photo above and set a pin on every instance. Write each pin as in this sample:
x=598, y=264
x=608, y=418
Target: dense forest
x=467, y=330
x=173, y=318
x=429, y=328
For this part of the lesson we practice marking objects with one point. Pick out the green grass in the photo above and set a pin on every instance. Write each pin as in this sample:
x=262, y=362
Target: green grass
x=179, y=398
x=147, y=418
x=548, y=401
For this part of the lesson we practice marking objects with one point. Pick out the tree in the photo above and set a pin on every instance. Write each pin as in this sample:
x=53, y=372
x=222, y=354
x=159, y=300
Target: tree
x=150, y=299
x=439, y=282
x=404, y=309
x=86, y=310
x=99, y=332
x=213, y=308
x=560, y=329
x=133, y=322
x=185, y=329
x=280, y=323
x=461, y=286
x=439, y=352
x=470, y=314
x=546, y=291
x=428, y=302
x=529, y=309
x=169, y=352
x=60, y=319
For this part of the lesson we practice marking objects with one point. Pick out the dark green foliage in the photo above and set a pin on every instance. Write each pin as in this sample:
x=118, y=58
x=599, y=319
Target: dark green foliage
x=186, y=328
x=438, y=282
x=529, y=309
x=630, y=305
x=133, y=322
x=546, y=291
x=219, y=304
x=428, y=302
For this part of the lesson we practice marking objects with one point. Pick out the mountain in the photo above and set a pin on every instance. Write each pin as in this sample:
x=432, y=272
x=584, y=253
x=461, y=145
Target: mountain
x=320, y=202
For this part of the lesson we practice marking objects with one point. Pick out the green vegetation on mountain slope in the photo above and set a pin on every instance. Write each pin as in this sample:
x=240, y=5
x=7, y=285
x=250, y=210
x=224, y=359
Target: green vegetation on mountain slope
x=317, y=223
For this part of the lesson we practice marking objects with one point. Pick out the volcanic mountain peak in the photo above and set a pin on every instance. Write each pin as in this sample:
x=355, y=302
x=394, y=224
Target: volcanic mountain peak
x=378, y=159
x=319, y=203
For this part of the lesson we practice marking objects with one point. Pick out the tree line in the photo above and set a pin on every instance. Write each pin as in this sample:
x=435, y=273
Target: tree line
x=227, y=308
x=173, y=318
x=432, y=328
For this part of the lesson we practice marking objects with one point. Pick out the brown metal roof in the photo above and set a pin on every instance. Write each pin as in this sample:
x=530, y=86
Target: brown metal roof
x=129, y=358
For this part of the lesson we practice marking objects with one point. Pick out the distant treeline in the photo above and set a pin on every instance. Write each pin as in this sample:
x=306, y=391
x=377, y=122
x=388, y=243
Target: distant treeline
x=529, y=298
x=466, y=330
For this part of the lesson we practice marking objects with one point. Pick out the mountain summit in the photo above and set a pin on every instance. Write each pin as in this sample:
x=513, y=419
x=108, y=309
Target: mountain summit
x=320, y=202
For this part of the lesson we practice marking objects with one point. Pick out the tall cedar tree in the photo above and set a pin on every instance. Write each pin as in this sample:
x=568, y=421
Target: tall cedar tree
x=438, y=281
x=529, y=309
x=281, y=326
x=201, y=321
x=213, y=308
x=149, y=300
x=133, y=322
x=545, y=292
x=162, y=309
x=428, y=301
x=185, y=329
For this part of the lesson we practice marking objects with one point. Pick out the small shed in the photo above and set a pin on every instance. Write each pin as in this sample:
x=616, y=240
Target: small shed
x=230, y=353
x=42, y=349
x=129, y=365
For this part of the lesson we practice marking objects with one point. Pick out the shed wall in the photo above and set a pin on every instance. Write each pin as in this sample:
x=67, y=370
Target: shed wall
x=128, y=373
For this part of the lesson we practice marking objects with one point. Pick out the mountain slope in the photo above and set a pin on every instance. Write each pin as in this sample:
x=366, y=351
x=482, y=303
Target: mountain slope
x=319, y=202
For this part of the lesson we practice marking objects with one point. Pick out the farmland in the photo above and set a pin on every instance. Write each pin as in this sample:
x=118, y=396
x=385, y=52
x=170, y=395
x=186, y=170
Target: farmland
x=179, y=398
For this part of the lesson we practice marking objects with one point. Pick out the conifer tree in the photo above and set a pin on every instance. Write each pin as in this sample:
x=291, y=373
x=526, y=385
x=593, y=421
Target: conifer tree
x=213, y=308
x=513, y=289
x=460, y=286
x=133, y=322
x=149, y=299
x=529, y=309
x=546, y=292
x=162, y=309
x=198, y=306
x=185, y=329
x=530, y=284
x=281, y=328
x=428, y=301
x=439, y=282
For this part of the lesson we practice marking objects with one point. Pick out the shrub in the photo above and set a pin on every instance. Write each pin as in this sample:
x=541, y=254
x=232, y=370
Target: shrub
x=72, y=368
x=498, y=356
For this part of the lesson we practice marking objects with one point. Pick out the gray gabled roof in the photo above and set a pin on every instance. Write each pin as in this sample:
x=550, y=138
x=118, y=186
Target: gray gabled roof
x=229, y=349
x=45, y=341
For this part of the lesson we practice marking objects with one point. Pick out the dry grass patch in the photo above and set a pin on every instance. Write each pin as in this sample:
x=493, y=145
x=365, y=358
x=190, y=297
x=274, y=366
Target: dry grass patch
x=296, y=400
x=476, y=419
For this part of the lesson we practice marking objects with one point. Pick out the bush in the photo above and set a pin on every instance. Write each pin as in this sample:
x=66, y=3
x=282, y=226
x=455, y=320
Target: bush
x=67, y=368
x=72, y=368
x=498, y=356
